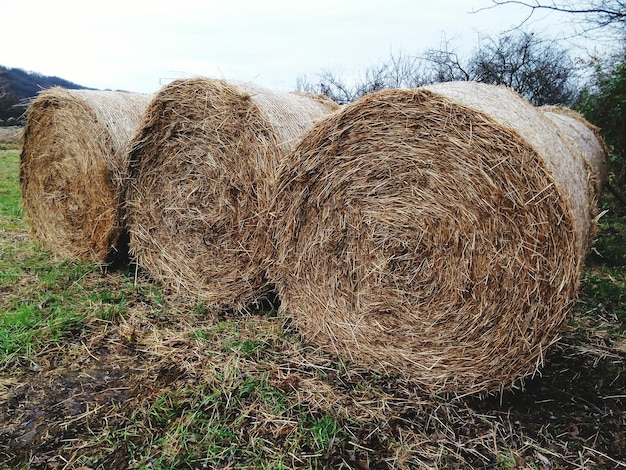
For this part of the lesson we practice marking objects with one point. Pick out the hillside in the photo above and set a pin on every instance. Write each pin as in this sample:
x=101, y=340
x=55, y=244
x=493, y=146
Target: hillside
x=17, y=86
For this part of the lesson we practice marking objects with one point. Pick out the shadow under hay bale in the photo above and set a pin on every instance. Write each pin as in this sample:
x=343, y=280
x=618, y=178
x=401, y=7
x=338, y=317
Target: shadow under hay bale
x=73, y=168
x=431, y=233
x=203, y=174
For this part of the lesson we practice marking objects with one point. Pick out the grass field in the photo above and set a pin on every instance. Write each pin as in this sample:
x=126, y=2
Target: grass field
x=10, y=138
x=103, y=368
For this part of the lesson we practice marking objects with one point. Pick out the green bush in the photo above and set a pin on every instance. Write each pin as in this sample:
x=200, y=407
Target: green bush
x=603, y=103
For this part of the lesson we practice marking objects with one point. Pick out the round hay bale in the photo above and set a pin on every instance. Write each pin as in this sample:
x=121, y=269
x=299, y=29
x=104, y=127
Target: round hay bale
x=73, y=168
x=435, y=233
x=582, y=136
x=203, y=171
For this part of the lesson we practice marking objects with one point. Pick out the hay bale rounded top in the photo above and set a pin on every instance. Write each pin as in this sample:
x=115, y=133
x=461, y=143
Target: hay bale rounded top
x=584, y=137
x=73, y=168
x=421, y=234
x=568, y=169
x=203, y=171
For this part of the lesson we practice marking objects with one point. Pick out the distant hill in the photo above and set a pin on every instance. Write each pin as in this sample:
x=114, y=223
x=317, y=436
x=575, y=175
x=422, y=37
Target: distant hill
x=18, y=86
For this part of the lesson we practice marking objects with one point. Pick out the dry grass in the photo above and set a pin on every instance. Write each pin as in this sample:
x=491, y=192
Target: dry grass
x=165, y=387
x=10, y=135
x=74, y=167
x=203, y=169
x=432, y=233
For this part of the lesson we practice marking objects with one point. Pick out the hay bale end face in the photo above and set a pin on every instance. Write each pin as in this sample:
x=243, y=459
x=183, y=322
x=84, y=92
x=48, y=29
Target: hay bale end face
x=420, y=235
x=73, y=167
x=203, y=172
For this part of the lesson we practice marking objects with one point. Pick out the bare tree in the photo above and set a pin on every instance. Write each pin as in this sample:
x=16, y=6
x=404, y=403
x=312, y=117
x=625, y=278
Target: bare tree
x=536, y=68
x=593, y=14
x=399, y=71
x=445, y=65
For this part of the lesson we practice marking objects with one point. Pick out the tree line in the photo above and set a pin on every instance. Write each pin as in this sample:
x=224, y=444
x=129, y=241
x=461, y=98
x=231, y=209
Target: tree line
x=18, y=86
x=537, y=68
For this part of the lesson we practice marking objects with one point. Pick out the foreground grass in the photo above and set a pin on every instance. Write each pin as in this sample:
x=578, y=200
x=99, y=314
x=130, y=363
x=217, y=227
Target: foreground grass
x=104, y=369
x=43, y=300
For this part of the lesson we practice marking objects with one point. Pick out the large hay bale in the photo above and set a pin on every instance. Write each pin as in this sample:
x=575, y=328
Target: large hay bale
x=436, y=233
x=584, y=137
x=203, y=171
x=74, y=166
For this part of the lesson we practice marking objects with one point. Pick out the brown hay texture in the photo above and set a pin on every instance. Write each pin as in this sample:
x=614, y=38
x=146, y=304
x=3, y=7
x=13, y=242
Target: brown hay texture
x=73, y=168
x=582, y=136
x=203, y=171
x=436, y=233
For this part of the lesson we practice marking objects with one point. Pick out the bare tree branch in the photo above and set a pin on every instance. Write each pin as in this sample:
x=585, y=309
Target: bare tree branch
x=597, y=15
x=536, y=68
x=615, y=10
x=399, y=71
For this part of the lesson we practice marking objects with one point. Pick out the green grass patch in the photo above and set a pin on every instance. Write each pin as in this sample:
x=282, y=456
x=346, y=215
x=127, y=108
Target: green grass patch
x=10, y=206
x=323, y=432
x=213, y=425
x=603, y=294
x=248, y=347
x=603, y=284
x=45, y=300
x=10, y=146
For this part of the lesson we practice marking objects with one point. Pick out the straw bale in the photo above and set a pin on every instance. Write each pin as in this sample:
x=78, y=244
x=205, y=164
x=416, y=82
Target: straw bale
x=73, y=167
x=203, y=170
x=570, y=174
x=582, y=136
x=436, y=233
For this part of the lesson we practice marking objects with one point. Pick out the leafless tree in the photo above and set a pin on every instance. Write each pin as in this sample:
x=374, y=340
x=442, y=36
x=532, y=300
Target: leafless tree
x=399, y=71
x=446, y=65
x=536, y=68
x=539, y=69
x=593, y=15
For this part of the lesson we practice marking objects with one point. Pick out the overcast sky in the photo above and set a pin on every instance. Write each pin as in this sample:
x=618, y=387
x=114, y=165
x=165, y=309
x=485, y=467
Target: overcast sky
x=141, y=45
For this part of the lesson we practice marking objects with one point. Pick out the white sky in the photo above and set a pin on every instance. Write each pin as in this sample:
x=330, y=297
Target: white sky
x=139, y=45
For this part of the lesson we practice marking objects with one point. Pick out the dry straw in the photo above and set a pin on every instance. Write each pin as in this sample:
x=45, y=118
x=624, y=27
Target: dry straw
x=203, y=169
x=11, y=135
x=435, y=233
x=583, y=137
x=73, y=166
